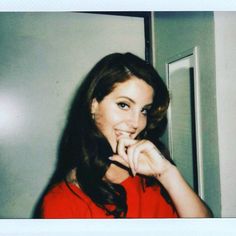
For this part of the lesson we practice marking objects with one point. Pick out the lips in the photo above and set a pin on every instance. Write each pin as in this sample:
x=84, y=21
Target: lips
x=123, y=133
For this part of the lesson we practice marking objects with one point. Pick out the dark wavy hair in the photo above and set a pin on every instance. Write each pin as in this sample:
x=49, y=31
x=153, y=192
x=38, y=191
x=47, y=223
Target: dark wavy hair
x=85, y=148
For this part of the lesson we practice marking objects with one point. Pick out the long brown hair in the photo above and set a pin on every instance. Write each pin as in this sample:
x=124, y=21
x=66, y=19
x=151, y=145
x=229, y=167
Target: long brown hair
x=84, y=147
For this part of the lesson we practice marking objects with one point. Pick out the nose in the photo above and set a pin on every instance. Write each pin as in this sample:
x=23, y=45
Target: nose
x=134, y=119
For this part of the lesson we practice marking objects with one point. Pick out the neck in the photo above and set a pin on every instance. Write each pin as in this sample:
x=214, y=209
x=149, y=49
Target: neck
x=71, y=178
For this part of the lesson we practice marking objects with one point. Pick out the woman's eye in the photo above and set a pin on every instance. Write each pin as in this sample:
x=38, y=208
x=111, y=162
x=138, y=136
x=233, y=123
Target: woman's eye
x=123, y=105
x=144, y=111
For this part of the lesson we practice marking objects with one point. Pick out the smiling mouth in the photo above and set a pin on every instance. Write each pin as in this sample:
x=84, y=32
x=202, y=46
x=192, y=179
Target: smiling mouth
x=123, y=133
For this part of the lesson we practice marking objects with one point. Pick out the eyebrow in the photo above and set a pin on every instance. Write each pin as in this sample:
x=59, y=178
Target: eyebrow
x=131, y=100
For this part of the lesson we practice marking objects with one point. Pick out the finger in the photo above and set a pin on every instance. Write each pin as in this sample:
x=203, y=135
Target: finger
x=146, y=151
x=122, y=146
x=119, y=159
x=133, y=154
x=121, y=149
x=124, y=149
x=140, y=148
x=130, y=157
x=136, y=159
x=144, y=146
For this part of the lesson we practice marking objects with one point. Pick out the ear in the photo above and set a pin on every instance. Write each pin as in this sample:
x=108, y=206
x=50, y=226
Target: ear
x=94, y=106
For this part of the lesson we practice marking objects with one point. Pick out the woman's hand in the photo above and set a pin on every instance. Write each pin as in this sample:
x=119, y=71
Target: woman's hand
x=141, y=156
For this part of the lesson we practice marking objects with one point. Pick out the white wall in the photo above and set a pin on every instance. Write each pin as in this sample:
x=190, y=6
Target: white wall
x=43, y=57
x=225, y=46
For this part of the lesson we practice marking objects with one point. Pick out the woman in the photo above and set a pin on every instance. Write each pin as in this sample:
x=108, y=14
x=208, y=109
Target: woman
x=110, y=165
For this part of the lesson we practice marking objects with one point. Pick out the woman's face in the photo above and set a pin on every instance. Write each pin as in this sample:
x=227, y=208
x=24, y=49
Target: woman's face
x=123, y=112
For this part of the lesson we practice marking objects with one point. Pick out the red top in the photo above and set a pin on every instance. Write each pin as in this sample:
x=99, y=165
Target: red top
x=63, y=202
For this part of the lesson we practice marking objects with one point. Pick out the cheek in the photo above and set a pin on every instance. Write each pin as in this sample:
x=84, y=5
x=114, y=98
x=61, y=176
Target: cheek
x=100, y=121
x=105, y=119
x=109, y=116
x=143, y=124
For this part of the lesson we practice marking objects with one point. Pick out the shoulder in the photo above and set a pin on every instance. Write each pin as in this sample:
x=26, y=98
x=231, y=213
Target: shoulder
x=64, y=201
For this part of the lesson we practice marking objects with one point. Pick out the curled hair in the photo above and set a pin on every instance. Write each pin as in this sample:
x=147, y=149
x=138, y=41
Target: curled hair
x=85, y=148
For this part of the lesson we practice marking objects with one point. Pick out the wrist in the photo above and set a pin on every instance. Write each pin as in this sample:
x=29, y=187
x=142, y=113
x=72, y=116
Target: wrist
x=169, y=172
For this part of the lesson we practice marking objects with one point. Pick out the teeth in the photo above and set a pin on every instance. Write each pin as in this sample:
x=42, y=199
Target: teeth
x=123, y=133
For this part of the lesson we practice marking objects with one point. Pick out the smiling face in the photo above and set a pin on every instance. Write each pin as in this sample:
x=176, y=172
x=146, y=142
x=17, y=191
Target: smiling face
x=123, y=112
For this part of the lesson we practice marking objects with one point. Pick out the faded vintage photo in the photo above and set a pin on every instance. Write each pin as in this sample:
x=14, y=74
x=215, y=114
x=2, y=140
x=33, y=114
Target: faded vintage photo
x=117, y=115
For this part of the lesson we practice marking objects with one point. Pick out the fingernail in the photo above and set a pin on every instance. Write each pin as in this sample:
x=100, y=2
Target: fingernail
x=110, y=158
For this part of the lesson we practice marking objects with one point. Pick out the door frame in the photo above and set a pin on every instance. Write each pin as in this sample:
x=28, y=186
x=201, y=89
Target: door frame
x=197, y=117
x=147, y=17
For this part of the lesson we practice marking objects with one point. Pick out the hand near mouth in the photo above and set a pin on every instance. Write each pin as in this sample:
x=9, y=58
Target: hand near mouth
x=124, y=134
x=141, y=156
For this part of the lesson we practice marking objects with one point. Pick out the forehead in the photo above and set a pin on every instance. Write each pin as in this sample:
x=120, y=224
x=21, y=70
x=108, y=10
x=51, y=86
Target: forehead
x=135, y=88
